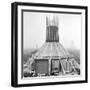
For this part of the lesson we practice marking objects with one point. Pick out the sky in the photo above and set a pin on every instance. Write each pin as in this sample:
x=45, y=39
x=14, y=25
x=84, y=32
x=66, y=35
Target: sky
x=34, y=29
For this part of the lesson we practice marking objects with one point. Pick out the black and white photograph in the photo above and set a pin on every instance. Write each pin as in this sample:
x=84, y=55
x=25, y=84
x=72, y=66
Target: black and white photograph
x=51, y=44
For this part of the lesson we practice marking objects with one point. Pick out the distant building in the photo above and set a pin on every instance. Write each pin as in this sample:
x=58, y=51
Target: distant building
x=52, y=58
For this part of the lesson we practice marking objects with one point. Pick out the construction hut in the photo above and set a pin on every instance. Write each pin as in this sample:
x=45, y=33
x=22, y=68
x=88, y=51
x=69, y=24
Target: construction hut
x=52, y=58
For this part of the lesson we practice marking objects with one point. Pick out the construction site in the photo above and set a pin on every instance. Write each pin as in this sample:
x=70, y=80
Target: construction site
x=52, y=59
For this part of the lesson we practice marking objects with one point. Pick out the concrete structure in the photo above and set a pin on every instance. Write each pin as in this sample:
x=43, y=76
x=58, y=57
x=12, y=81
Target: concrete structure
x=52, y=58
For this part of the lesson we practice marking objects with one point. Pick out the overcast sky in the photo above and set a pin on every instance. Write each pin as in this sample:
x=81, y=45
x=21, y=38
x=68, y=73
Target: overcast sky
x=34, y=31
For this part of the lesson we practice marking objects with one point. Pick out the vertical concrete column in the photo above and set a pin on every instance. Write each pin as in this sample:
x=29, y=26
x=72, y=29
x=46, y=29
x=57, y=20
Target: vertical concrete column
x=67, y=65
x=49, y=33
x=55, y=35
x=52, y=35
x=49, y=60
x=46, y=34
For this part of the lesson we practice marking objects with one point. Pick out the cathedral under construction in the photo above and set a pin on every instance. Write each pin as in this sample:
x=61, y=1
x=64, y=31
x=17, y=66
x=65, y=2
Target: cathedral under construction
x=52, y=58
